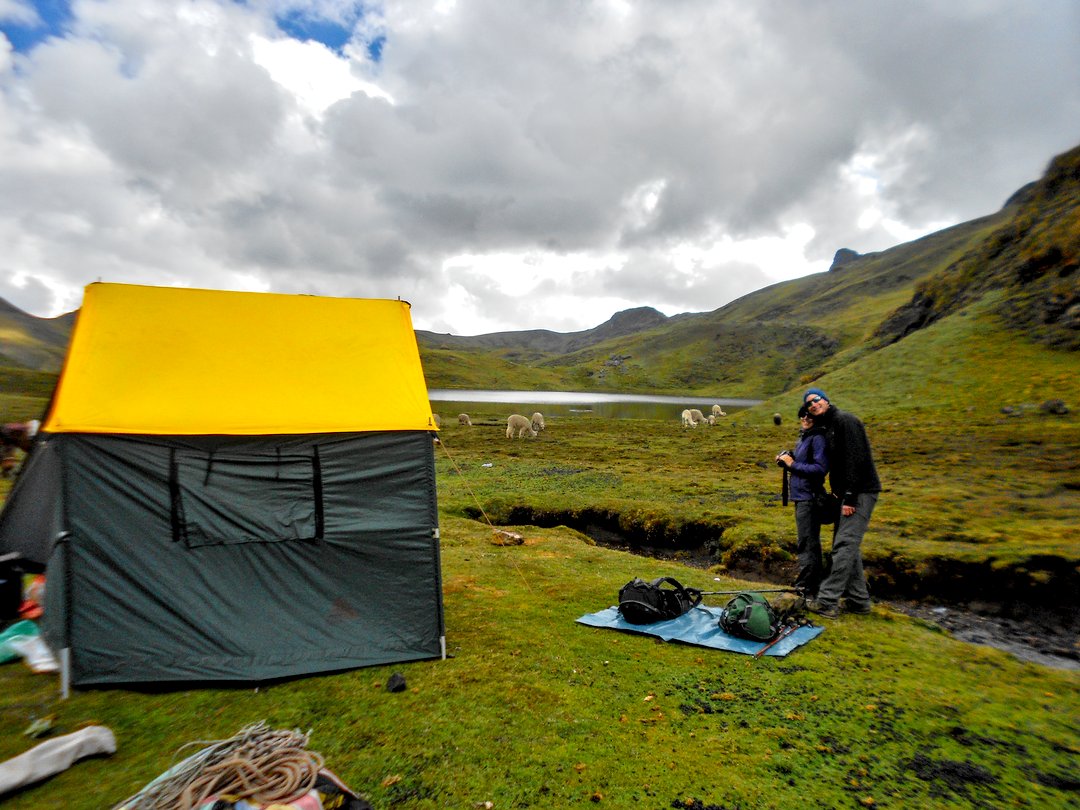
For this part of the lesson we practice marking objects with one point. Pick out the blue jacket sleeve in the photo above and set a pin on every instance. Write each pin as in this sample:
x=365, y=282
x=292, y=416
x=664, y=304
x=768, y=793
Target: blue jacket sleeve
x=816, y=461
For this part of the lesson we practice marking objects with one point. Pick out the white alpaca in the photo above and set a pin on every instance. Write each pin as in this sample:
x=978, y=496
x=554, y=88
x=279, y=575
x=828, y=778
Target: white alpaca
x=686, y=418
x=438, y=420
x=538, y=421
x=718, y=411
x=463, y=419
x=697, y=417
x=517, y=422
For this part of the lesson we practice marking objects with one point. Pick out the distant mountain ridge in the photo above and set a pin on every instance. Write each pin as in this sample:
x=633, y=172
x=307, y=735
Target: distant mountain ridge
x=626, y=322
x=1025, y=256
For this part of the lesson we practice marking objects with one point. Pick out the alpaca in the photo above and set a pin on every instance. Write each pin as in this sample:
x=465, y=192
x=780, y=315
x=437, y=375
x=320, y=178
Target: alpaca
x=516, y=423
x=697, y=417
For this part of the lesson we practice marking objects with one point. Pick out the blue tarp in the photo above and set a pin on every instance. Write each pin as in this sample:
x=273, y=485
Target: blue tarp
x=701, y=626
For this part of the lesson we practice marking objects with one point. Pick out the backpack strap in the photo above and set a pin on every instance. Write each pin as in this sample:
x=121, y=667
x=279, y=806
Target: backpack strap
x=674, y=583
x=692, y=595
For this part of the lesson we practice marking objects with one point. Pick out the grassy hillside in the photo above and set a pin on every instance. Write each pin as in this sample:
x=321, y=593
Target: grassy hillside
x=787, y=334
x=760, y=345
x=972, y=494
x=1032, y=258
x=33, y=343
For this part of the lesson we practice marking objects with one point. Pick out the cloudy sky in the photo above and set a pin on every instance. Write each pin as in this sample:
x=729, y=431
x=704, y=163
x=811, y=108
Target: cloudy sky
x=504, y=164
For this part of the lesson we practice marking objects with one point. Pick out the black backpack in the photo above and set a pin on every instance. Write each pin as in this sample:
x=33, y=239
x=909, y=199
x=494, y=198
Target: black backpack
x=642, y=602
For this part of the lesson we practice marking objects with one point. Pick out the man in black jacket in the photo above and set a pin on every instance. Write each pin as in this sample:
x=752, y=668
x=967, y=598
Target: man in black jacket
x=853, y=477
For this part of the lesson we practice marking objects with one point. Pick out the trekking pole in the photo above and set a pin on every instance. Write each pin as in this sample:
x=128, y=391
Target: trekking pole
x=787, y=631
x=747, y=590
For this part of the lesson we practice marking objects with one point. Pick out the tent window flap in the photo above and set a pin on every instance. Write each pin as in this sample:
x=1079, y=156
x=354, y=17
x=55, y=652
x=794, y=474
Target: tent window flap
x=227, y=499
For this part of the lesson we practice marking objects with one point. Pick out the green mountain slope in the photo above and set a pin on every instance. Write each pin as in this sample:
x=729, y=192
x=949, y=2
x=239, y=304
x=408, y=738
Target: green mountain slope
x=776, y=338
x=788, y=334
x=30, y=342
x=756, y=346
x=1033, y=257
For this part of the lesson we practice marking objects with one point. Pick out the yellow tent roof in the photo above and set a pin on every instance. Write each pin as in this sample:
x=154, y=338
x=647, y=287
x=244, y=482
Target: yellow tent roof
x=166, y=360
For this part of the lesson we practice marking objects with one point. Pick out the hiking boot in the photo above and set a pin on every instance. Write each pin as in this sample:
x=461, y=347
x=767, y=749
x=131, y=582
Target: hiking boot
x=860, y=610
x=820, y=608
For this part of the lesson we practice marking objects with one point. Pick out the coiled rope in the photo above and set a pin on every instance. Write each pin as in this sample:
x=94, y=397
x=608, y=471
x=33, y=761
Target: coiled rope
x=260, y=764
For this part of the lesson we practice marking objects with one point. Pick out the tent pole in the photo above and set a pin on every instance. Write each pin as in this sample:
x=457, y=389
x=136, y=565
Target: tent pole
x=65, y=673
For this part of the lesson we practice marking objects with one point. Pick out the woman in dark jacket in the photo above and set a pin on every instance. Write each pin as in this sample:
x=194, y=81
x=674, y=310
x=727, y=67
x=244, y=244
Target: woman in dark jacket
x=807, y=465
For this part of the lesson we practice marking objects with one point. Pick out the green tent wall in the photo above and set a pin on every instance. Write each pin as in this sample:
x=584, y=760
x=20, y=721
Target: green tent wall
x=242, y=558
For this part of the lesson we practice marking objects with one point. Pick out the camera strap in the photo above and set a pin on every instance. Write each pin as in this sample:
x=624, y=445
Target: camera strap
x=784, y=488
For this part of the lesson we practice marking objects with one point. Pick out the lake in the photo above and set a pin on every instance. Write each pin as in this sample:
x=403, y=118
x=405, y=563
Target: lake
x=448, y=403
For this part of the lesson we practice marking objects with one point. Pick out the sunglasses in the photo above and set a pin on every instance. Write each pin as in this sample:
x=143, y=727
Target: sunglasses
x=812, y=400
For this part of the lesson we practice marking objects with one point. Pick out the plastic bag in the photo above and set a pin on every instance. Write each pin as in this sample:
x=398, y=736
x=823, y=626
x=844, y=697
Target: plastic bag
x=35, y=652
x=21, y=629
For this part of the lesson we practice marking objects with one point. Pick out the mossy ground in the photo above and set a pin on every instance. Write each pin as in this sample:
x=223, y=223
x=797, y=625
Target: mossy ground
x=535, y=710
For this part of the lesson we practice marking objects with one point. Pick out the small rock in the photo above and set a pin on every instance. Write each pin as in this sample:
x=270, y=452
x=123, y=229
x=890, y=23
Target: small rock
x=395, y=683
x=505, y=538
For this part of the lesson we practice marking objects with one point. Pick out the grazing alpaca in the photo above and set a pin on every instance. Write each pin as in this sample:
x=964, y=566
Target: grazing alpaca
x=519, y=424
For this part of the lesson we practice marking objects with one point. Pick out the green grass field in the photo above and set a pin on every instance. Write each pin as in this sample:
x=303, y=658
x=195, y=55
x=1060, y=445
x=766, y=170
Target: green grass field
x=974, y=498
x=535, y=710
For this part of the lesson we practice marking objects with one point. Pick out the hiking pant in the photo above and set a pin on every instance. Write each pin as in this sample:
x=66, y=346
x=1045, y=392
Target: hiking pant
x=846, y=579
x=808, y=529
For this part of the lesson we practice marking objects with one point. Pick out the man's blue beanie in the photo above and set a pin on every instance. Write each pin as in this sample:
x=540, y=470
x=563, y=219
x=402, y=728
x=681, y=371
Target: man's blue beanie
x=817, y=391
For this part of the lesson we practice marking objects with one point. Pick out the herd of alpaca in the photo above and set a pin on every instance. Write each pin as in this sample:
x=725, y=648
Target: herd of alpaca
x=692, y=417
x=518, y=426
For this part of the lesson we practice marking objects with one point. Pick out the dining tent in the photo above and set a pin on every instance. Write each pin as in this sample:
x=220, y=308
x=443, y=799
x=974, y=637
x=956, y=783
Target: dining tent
x=233, y=486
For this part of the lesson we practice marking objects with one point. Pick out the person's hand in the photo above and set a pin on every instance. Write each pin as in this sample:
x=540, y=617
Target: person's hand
x=785, y=459
x=847, y=511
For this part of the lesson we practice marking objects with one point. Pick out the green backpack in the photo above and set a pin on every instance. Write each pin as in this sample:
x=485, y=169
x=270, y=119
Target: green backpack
x=749, y=615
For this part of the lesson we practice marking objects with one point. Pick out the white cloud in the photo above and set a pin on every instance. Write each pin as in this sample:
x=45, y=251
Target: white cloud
x=504, y=166
x=313, y=74
x=21, y=12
